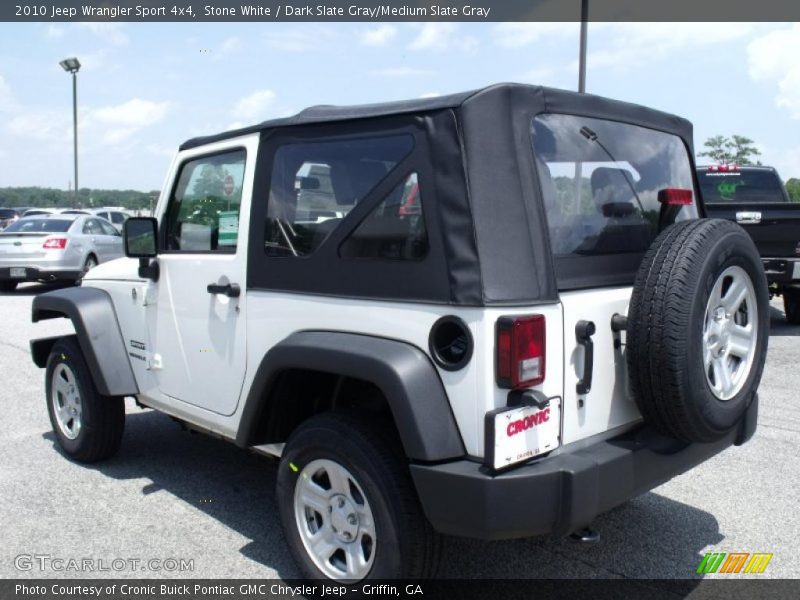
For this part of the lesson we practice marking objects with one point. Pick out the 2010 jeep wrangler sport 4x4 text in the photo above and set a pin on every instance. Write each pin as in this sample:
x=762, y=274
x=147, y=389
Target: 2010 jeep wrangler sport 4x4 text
x=493, y=314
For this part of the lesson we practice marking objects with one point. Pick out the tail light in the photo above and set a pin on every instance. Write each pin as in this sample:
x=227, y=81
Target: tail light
x=521, y=353
x=675, y=196
x=55, y=244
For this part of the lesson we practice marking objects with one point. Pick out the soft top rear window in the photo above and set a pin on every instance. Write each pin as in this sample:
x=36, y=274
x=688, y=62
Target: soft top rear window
x=743, y=185
x=600, y=184
x=29, y=225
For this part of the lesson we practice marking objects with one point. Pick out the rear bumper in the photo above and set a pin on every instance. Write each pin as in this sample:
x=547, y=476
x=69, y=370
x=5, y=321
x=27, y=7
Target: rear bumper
x=559, y=494
x=782, y=270
x=41, y=274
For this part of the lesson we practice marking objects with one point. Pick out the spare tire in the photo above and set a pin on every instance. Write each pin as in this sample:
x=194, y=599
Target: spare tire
x=697, y=329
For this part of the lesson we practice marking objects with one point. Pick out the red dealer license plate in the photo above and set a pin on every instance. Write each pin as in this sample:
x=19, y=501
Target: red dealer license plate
x=520, y=433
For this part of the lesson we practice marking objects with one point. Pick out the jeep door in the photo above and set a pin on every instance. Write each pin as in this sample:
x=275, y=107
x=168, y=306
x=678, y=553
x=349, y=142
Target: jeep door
x=197, y=325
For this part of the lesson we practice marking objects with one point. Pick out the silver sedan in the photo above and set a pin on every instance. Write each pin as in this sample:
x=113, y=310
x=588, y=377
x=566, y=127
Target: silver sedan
x=55, y=247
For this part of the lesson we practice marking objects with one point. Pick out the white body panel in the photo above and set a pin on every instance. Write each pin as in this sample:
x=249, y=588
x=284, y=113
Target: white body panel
x=608, y=405
x=472, y=391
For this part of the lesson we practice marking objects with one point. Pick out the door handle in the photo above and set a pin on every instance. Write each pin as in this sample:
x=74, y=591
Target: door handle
x=584, y=330
x=231, y=290
x=748, y=217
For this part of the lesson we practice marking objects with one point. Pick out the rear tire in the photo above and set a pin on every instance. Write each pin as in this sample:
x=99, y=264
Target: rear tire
x=8, y=286
x=791, y=306
x=698, y=326
x=366, y=521
x=88, y=426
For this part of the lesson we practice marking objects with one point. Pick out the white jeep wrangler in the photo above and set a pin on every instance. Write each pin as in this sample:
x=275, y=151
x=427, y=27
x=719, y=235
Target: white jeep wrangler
x=493, y=314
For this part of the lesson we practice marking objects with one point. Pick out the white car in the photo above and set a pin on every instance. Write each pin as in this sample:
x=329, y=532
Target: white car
x=116, y=217
x=513, y=321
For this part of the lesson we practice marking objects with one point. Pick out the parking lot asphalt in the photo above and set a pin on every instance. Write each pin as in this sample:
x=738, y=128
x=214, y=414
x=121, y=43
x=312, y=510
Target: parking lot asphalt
x=170, y=494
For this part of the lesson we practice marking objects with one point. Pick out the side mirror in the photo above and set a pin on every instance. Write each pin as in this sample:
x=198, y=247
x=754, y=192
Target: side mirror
x=140, y=236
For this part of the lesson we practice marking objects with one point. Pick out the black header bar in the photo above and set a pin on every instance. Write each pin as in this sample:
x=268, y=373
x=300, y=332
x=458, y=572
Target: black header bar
x=392, y=10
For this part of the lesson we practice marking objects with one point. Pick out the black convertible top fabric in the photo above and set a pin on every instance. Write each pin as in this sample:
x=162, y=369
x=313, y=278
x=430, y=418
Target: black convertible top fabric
x=492, y=223
x=554, y=100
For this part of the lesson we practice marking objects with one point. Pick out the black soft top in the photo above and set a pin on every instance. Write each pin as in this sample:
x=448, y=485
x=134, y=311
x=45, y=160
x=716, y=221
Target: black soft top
x=476, y=163
x=544, y=98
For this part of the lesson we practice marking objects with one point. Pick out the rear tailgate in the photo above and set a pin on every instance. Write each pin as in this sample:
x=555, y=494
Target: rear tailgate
x=774, y=226
x=606, y=201
x=756, y=199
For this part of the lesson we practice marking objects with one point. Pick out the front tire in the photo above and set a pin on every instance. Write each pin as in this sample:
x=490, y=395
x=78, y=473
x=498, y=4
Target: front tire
x=347, y=503
x=791, y=306
x=88, y=426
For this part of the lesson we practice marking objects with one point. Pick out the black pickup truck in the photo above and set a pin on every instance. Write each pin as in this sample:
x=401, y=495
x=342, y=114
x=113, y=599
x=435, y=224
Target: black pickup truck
x=756, y=199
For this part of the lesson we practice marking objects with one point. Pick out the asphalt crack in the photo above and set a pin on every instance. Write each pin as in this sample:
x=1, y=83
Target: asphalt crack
x=14, y=346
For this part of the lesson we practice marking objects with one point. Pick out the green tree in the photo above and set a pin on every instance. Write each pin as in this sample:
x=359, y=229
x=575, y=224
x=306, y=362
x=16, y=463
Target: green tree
x=211, y=182
x=717, y=150
x=743, y=150
x=736, y=150
x=793, y=187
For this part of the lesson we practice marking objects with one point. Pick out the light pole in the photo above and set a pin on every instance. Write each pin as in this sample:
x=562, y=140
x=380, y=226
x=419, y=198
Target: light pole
x=582, y=50
x=72, y=65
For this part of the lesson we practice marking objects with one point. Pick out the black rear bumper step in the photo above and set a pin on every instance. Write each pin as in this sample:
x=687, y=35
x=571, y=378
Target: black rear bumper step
x=562, y=493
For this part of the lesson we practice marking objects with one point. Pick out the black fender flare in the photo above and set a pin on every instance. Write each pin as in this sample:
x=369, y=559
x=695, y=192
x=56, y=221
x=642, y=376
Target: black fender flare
x=403, y=372
x=92, y=313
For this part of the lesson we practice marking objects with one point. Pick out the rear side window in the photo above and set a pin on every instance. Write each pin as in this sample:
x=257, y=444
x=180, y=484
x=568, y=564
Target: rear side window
x=315, y=185
x=7, y=213
x=600, y=182
x=740, y=186
x=93, y=227
x=28, y=225
x=395, y=229
x=108, y=228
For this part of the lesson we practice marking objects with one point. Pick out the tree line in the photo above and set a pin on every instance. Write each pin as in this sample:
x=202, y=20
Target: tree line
x=39, y=197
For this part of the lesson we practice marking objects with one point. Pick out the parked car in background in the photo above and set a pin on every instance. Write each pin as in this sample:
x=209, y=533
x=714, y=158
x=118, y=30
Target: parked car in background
x=115, y=216
x=756, y=199
x=32, y=212
x=7, y=217
x=55, y=247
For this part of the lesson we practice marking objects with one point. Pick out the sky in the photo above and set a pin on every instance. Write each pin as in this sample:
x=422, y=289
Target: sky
x=146, y=87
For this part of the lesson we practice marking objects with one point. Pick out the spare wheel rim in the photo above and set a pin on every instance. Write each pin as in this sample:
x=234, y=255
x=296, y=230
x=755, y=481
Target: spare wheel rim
x=730, y=333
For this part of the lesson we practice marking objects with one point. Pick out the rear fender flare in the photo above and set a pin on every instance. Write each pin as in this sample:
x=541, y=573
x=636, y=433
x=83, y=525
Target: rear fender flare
x=403, y=373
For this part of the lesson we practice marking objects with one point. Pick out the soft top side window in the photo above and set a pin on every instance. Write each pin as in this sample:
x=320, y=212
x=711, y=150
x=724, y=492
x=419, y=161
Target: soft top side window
x=314, y=185
x=394, y=230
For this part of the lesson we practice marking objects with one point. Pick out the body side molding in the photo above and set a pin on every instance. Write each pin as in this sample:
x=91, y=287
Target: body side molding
x=401, y=371
x=92, y=313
